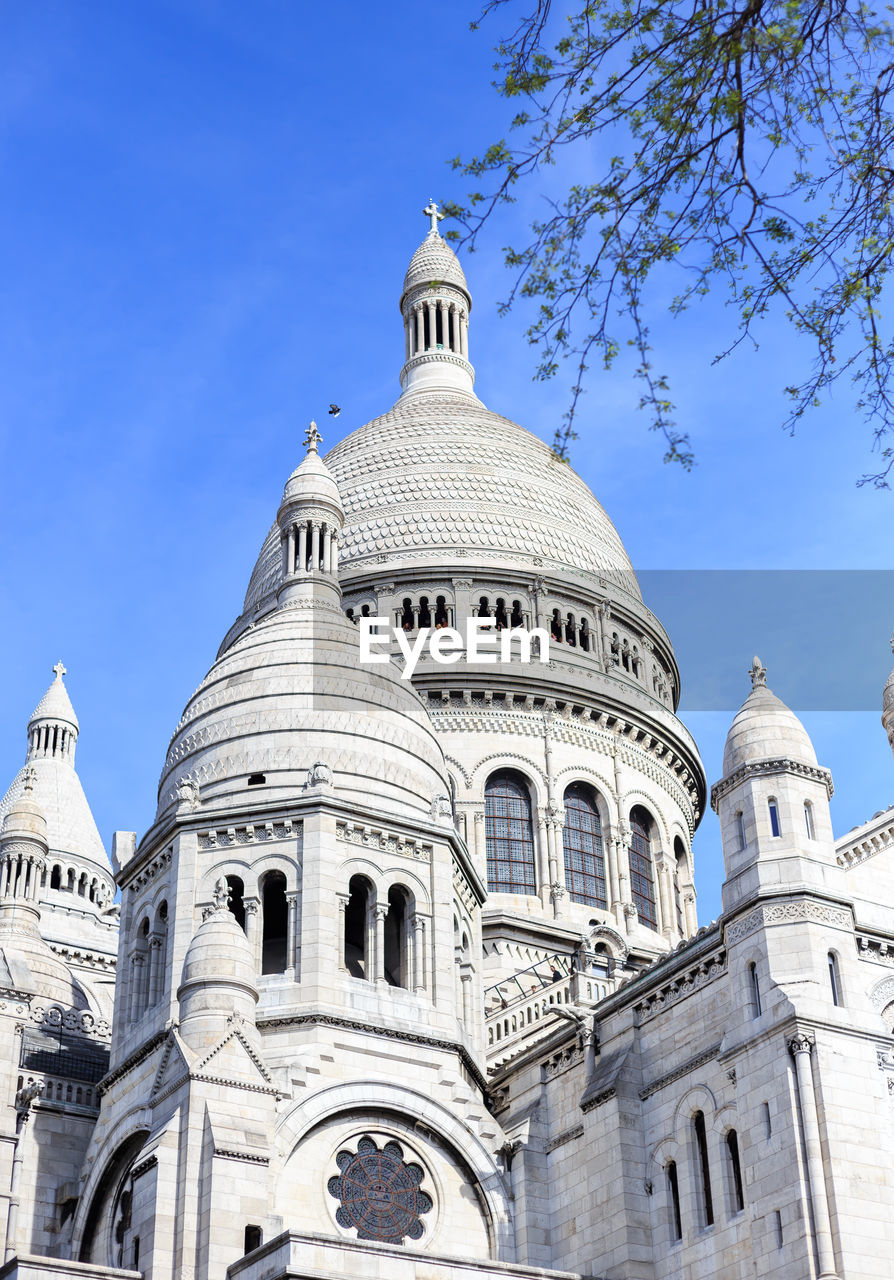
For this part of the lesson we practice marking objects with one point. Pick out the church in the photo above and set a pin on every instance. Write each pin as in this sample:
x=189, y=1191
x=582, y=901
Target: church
x=406, y=981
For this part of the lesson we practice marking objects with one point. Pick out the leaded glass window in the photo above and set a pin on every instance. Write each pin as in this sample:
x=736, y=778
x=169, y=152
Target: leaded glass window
x=582, y=838
x=380, y=1193
x=642, y=882
x=509, y=834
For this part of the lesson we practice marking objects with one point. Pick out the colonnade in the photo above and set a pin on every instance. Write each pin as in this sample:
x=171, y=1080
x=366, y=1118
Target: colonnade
x=425, y=320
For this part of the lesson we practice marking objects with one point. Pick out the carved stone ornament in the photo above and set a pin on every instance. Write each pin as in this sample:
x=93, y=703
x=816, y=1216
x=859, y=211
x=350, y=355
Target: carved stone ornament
x=441, y=808
x=319, y=776
x=221, y=895
x=802, y=1042
x=188, y=794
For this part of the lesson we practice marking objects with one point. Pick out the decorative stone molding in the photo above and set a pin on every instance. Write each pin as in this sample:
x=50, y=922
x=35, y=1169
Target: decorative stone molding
x=81, y=1021
x=560, y=1062
x=801, y=1042
x=692, y=1064
x=600, y=1099
x=319, y=775
x=882, y=994
x=277, y=829
x=85, y=959
x=877, y=949
x=867, y=845
x=772, y=913
x=568, y=1136
x=700, y=975
x=383, y=841
x=143, y=1167
x=762, y=768
x=159, y=864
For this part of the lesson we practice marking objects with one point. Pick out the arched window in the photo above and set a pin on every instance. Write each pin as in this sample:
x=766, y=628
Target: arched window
x=673, y=1189
x=585, y=635
x=681, y=861
x=570, y=630
x=509, y=834
x=396, y=937
x=441, y=619
x=237, y=903
x=642, y=882
x=582, y=839
x=56, y=877
x=517, y=617
x=740, y=830
x=754, y=991
x=483, y=610
x=835, y=979
x=357, y=914
x=704, y=1168
x=407, y=621
x=555, y=626
x=424, y=612
x=500, y=616
x=737, y=1192
x=774, y=817
x=275, y=930
x=808, y=820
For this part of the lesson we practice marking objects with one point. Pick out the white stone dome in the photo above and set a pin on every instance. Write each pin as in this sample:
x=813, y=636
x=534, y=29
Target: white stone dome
x=434, y=262
x=440, y=474
x=291, y=691
x=312, y=481
x=766, y=729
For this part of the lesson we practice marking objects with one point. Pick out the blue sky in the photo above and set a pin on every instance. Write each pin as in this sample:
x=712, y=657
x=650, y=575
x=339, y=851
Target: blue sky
x=207, y=211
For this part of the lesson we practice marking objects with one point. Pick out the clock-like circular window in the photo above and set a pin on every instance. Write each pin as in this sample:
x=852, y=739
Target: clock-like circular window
x=380, y=1193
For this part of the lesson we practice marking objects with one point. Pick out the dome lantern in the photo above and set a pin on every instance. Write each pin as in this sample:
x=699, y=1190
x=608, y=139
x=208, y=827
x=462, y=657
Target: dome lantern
x=435, y=303
x=310, y=519
x=53, y=727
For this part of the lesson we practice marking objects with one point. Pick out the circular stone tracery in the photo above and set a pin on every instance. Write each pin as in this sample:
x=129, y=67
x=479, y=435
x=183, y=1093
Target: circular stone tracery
x=380, y=1193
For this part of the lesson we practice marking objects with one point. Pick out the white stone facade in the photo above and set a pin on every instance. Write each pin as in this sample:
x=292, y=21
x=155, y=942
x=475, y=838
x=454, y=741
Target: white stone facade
x=410, y=981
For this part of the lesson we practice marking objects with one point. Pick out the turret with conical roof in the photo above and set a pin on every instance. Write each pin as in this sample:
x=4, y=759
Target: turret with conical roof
x=773, y=802
x=435, y=303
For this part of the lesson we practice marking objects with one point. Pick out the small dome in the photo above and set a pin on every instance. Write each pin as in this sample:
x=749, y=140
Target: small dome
x=24, y=818
x=312, y=480
x=434, y=262
x=218, y=969
x=55, y=704
x=765, y=729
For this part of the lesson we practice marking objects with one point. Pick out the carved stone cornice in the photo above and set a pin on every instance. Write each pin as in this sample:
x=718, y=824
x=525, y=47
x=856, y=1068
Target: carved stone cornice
x=763, y=768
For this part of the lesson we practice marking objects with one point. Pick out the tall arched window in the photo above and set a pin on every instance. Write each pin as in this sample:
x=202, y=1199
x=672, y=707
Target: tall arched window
x=357, y=926
x=396, y=937
x=704, y=1168
x=642, y=880
x=509, y=834
x=273, y=899
x=237, y=899
x=582, y=838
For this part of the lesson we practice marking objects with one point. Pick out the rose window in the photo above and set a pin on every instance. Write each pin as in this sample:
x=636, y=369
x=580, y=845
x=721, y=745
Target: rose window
x=380, y=1193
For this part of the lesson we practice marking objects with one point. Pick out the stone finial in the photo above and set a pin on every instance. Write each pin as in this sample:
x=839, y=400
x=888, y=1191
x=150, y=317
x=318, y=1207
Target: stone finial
x=30, y=779
x=313, y=438
x=758, y=674
x=432, y=211
x=59, y=670
x=221, y=895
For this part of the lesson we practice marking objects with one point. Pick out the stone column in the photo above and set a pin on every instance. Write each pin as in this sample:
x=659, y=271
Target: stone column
x=689, y=911
x=541, y=858
x=301, y=566
x=464, y=335
x=292, y=900
x=420, y=328
x=333, y=554
x=801, y=1046
x=480, y=837
x=465, y=978
x=315, y=546
x=417, y=928
x=324, y=536
x=290, y=551
x=381, y=910
x=342, y=912
x=609, y=853
x=136, y=986
x=664, y=896
x=622, y=861
x=432, y=331
x=252, y=932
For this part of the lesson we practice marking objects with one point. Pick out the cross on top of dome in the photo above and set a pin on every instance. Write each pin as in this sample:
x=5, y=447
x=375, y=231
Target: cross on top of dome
x=312, y=438
x=432, y=211
x=59, y=670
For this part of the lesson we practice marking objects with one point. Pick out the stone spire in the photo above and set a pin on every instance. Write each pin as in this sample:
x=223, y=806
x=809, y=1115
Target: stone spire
x=310, y=519
x=435, y=304
x=53, y=728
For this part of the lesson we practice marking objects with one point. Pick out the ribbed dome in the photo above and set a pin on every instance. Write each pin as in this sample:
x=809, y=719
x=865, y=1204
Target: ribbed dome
x=292, y=691
x=434, y=262
x=765, y=729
